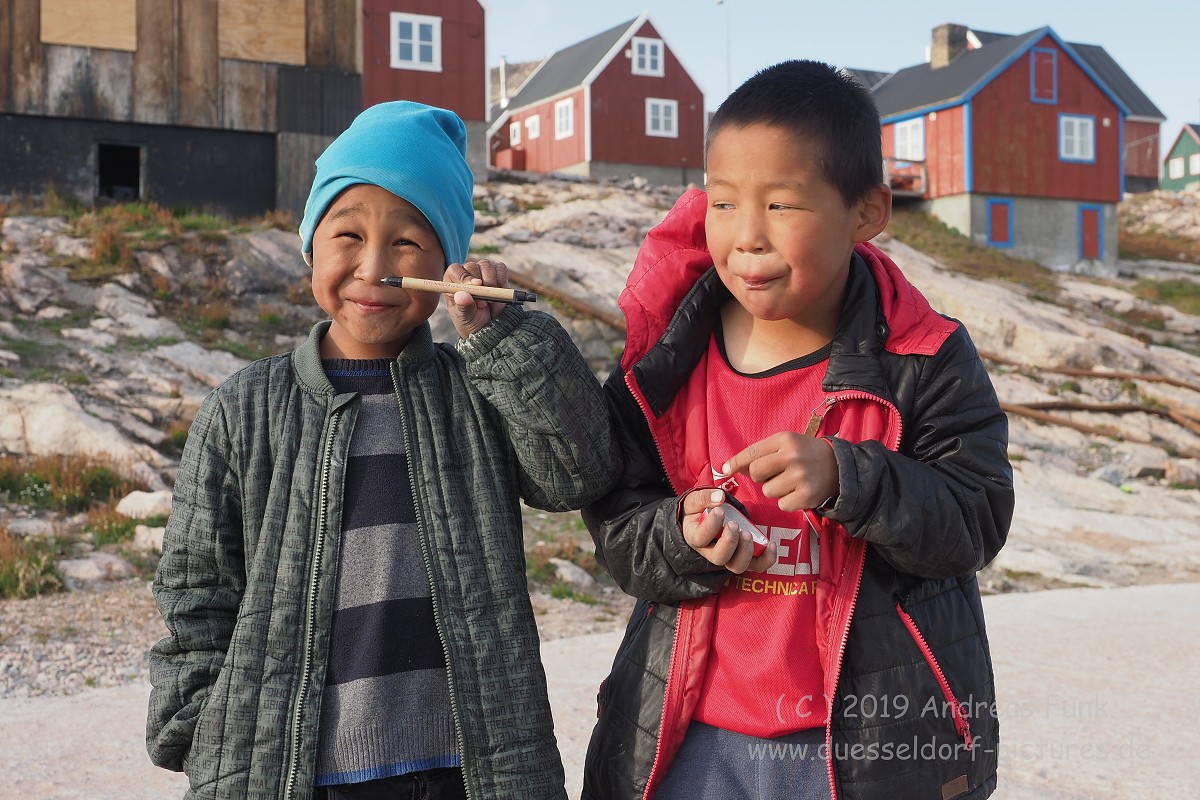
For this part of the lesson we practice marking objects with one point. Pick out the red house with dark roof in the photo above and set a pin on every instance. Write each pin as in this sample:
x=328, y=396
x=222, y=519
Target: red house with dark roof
x=616, y=105
x=433, y=52
x=1017, y=141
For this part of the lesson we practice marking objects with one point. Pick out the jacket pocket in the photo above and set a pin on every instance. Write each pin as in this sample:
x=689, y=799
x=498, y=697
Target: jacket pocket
x=962, y=723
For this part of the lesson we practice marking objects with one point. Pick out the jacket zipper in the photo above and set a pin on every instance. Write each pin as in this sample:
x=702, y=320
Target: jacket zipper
x=662, y=722
x=837, y=673
x=310, y=616
x=962, y=722
x=892, y=443
x=427, y=558
x=634, y=390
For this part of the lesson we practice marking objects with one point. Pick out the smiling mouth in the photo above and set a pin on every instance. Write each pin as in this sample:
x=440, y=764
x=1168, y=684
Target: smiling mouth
x=757, y=283
x=367, y=305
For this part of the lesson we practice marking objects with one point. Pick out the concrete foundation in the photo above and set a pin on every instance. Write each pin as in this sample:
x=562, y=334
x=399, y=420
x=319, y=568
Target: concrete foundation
x=1043, y=230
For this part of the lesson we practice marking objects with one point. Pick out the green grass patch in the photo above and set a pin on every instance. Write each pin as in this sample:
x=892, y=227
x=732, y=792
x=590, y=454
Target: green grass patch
x=1157, y=245
x=564, y=591
x=69, y=484
x=1179, y=294
x=28, y=567
x=957, y=252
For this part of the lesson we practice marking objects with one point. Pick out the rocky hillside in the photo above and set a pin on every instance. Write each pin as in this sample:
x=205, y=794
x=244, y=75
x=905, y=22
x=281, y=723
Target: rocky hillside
x=109, y=341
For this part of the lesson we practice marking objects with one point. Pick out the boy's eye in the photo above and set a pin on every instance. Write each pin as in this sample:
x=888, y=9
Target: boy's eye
x=778, y=207
x=349, y=235
x=722, y=206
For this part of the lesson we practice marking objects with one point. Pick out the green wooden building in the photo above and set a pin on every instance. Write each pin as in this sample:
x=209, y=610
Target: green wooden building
x=1181, y=167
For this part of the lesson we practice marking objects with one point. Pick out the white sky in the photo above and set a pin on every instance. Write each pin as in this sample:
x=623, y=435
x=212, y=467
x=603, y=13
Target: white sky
x=1153, y=40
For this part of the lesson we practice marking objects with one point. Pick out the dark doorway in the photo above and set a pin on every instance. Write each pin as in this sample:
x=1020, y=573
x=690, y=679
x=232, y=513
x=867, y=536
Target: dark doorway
x=119, y=168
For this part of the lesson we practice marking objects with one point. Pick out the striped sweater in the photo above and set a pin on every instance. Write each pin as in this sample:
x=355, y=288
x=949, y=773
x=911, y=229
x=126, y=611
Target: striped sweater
x=386, y=704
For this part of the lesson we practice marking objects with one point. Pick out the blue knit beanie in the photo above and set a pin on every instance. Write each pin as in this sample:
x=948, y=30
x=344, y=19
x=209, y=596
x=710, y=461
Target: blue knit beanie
x=416, y=152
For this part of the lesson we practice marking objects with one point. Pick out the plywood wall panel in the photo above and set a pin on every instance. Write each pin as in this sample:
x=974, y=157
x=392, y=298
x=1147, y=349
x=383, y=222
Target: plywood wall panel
x=263, y=30
x=199, y=87
x=86, y=83
x=347, y=19
x=27, y=87
x=5, y=56
x=248, y=95
x=296, y=155
x=154, y=65
x=110, y=25
x=319, y=33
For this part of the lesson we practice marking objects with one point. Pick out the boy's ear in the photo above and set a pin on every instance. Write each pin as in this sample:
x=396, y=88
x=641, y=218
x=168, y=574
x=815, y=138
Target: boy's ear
x=874, y=211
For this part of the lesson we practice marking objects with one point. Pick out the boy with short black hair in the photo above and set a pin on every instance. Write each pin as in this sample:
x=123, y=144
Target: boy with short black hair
x=343, y=572
x=778, y=362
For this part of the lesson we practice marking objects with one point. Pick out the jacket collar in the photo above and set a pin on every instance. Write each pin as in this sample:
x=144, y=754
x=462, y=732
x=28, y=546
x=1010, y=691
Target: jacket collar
x=673, y=297
x=307, y=358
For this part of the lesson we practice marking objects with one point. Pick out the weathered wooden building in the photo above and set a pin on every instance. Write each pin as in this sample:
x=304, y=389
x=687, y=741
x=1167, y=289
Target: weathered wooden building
x=219, y=104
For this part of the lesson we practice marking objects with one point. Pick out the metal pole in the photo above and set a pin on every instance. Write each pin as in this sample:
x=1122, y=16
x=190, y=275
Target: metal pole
x=728, y=50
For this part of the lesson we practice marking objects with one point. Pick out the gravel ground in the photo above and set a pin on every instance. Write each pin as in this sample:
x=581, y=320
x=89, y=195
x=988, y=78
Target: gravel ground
x=95, y=637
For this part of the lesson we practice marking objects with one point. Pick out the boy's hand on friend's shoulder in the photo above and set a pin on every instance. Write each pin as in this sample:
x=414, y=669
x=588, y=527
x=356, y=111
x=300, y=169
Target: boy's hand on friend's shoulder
x=724, y=545
x=468, y=314
x=797, y=470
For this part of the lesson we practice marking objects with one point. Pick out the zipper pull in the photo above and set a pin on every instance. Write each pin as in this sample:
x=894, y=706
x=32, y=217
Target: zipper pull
x=963, y=725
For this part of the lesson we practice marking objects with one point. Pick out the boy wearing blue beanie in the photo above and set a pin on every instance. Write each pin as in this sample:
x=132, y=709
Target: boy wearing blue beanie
x=343, y=575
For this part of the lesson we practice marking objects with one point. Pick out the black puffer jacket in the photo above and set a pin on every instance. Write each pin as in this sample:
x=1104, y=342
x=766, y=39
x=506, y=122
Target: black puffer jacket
x=924, y=502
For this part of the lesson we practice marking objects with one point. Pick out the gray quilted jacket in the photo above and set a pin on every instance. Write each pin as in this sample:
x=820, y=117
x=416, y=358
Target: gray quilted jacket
x=247, y=579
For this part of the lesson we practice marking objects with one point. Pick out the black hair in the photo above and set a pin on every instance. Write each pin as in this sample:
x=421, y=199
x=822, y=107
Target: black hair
x=817, y=101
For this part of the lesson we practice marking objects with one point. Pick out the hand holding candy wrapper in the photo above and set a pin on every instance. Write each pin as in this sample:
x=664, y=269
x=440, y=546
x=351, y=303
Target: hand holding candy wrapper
x=758, y=538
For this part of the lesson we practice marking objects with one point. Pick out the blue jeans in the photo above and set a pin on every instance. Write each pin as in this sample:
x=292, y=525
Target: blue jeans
x=716, y=764
x=430, y=784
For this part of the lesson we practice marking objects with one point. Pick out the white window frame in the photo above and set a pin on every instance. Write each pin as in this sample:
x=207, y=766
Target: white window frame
x=668, y=122
x=434, y=63
x=564, y=118
x=1194, y=164
x=514, y=133
x=1175, y=168
x=1077, y=138
x=533, y=127
x=909, y=140
x=645, y=53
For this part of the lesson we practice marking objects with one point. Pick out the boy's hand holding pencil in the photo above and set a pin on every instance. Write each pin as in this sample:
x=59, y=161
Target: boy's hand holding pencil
x=470, y=313
x=477, y=292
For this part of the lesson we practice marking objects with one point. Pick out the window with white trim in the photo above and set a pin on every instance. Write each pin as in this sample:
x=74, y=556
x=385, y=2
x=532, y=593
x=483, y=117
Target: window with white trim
x=514, y=134
x=648, y=57
x=662, y=117
x=910, y=139
x=1076, y=138
x=1194, y=164
x=533, y=127
x=564, y=118
x=1175, y=168
x=416, y=42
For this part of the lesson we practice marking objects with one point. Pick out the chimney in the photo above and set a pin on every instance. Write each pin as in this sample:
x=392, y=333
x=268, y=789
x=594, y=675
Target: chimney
x=949, y=40
x=503, y=83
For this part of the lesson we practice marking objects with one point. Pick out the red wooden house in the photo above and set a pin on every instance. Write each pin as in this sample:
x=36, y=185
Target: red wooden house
x=430, y=51
x=1142, y=125
x=1018, y=143
x=616, y=105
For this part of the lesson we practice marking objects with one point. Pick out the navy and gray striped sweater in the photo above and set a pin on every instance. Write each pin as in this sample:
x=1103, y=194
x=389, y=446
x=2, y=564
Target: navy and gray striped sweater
x=386, y=706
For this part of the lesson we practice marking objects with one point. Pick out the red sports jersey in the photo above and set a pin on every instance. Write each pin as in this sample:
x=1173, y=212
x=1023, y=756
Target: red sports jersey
x=764, y=676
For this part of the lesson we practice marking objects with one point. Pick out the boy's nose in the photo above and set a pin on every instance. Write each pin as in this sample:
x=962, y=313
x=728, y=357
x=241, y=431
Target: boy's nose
x=375, y=263
x=751, y=235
